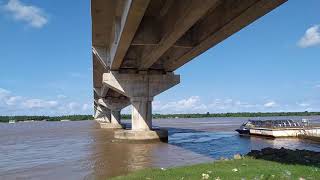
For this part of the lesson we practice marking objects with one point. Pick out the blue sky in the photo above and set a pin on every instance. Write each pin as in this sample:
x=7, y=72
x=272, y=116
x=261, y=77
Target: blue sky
x=271, y=65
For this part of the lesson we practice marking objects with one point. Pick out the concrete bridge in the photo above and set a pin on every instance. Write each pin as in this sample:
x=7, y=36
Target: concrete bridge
x=138, y=44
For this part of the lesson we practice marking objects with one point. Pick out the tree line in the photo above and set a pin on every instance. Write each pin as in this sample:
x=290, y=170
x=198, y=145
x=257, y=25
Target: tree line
x=159, y=116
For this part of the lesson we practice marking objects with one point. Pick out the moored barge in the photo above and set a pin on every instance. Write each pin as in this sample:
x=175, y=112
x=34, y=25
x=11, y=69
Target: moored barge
x=279, y=128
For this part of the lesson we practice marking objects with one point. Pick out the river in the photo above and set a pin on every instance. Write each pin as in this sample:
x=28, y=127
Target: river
x=81, y=150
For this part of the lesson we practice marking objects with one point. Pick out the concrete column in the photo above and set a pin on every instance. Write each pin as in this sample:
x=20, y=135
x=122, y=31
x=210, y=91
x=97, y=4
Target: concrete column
x=115, y=105
x=141, y=113
x=115, y=117
x=102, y=114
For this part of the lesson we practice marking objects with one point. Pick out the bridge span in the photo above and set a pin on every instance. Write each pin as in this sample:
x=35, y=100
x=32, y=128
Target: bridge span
x=138, y=44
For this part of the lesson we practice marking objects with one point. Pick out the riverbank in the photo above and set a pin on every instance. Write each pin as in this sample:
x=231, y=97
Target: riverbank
x=265, y=164
x=6, y=119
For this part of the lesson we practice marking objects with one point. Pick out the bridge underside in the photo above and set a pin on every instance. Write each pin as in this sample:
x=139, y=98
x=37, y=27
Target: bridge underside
x=138, y=44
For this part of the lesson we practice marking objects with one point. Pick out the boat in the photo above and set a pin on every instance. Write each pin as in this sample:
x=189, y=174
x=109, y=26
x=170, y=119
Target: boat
x=244, y=129
x=277, y=128
x=12, y=121
x=28, y=121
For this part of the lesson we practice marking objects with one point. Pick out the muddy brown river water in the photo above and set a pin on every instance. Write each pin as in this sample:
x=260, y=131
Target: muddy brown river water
x=81, y=150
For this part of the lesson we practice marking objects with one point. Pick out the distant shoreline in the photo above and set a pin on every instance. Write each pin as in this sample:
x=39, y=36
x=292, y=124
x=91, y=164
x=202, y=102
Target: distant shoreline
x=6, y=119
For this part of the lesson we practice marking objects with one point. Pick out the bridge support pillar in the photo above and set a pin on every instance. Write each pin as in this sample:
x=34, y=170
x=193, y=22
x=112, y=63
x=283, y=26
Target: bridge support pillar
x=141, y=113
x=102, y=114
x=115, y=105
x=141, y=88
x=116, y=117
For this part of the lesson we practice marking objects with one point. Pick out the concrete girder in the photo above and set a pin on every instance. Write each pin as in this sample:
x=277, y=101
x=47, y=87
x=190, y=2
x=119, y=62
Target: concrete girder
x=98, y=70
x=101, y=54
x=97, y=91
x=114, y=103
x=140, y=85
x=180, y=17
x=125, y=27
x=150, y=34
x=221, y=24
x=104, y=90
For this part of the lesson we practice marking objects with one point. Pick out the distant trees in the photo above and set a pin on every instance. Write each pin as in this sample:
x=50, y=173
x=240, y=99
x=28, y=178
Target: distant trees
x=45, y=118
x=159, y=116
x=239, y=114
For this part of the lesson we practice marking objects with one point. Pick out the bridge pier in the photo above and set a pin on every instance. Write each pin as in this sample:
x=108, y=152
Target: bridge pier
x=116, y=117
x=141, y=113
x=140, y=88
x=102, y=114
x=115, y=105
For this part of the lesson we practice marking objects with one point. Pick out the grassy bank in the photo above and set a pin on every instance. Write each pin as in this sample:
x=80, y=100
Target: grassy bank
x=246, y=168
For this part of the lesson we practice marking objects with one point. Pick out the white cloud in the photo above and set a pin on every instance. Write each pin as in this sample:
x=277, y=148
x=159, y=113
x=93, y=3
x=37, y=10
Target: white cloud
x=85, y=107
x=32, y=15
x=191, y=104
x=73, y=106
x=187, y=103
x=311, y=37
x=11, y=104
x=4, y=91
x=13, y=100
x=303, y=104
x=194, y=104
x=61, y=96
x=270, y=104
x=39, y=103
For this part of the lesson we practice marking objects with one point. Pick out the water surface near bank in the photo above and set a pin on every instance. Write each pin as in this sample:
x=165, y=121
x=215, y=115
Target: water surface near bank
x=81, y=150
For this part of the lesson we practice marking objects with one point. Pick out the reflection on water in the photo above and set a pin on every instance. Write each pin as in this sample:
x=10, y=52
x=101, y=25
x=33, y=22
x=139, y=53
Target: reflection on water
x=111, y=157
x=80, y=150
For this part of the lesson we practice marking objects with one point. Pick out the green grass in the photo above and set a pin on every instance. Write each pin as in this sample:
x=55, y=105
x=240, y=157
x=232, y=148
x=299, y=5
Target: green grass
x=247, y=168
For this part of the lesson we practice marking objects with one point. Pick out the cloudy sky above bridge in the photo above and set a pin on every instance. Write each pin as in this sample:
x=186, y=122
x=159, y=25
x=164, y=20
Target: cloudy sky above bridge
x=271, y=65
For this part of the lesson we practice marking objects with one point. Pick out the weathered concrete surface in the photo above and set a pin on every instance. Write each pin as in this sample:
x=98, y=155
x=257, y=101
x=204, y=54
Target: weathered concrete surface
x=137, y=44
x=141, y=84
x=140, y=88
x=114, y=105
x=161, y=134
x=111, y=125
x=102, y=114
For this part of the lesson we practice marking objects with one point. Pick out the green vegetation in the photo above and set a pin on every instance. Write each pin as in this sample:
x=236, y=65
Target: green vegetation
x=47, y=118
x=239, y=114
x=160, y=116
x=246, y=168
